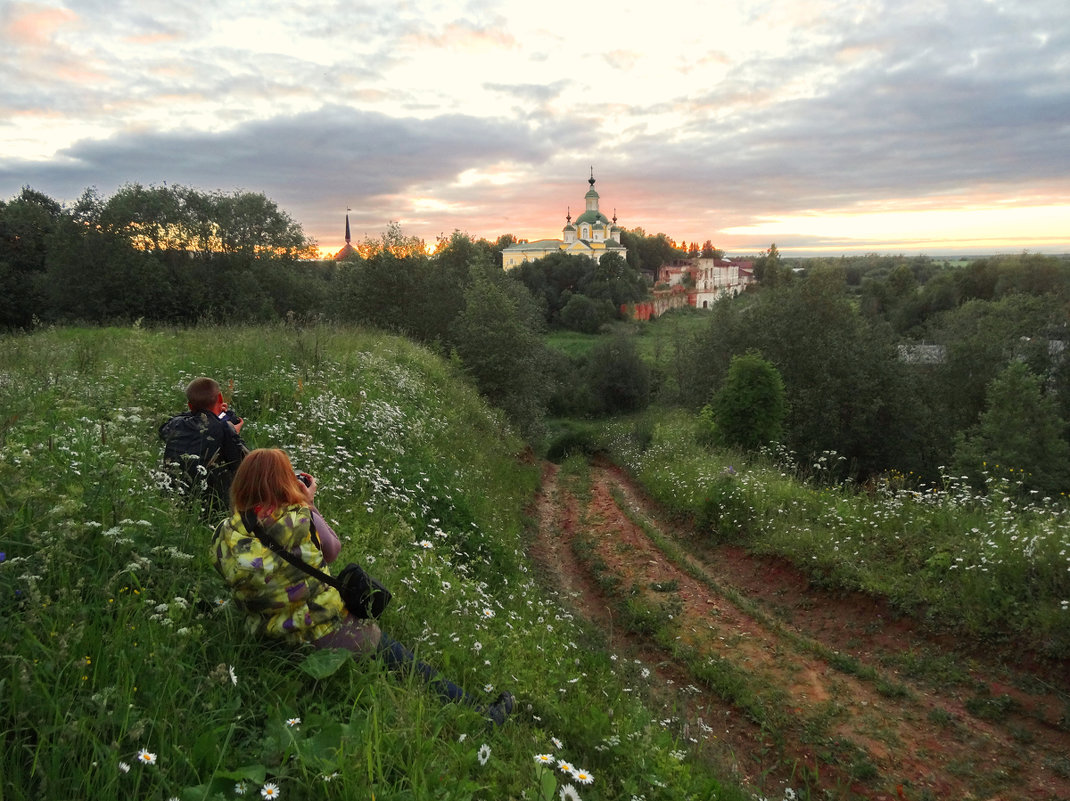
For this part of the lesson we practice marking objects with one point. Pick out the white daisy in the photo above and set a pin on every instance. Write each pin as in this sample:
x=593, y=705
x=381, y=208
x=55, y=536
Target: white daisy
x=270, y=790
x=582, y=776
x=146, y=757
x=568, y=793
x=484, y=754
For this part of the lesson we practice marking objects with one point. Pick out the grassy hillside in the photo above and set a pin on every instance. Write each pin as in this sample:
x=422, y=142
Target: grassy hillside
x=126, y=673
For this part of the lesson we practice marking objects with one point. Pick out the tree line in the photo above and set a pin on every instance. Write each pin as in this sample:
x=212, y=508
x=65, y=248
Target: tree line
x=174, y=255
x=891, y=363
x=913, y=367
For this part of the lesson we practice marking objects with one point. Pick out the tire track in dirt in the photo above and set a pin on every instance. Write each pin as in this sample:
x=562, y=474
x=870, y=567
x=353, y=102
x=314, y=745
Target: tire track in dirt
x=878, y=737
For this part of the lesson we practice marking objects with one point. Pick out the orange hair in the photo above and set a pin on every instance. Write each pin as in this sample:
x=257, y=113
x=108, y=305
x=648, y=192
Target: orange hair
x=266, y=478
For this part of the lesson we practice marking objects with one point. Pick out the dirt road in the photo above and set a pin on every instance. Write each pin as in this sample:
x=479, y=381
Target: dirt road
x=784, y=685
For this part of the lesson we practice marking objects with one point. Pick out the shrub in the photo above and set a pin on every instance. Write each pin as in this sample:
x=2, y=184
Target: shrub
x=619, y=378
x=750, y=407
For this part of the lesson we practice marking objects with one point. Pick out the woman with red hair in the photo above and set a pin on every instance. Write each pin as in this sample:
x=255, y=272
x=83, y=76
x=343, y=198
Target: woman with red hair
x=283, y=601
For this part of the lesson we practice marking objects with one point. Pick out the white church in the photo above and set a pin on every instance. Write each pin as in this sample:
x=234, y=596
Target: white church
x=592, y=235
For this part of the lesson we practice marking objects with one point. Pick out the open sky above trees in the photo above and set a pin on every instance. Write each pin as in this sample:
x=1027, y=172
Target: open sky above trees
x=828, y=126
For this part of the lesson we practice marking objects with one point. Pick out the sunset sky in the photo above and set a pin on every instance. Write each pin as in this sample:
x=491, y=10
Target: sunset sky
x=825, y=126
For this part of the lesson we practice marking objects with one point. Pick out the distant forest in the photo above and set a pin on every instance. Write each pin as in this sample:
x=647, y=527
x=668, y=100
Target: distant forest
x=890, y=364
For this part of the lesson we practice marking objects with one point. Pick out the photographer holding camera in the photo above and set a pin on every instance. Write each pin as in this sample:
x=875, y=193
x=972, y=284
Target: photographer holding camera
x=270, y=551
x=203, y=447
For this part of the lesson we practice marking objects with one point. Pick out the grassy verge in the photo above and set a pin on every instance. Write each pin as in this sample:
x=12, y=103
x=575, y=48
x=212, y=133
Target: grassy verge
x=989, y=566
x=127, y=674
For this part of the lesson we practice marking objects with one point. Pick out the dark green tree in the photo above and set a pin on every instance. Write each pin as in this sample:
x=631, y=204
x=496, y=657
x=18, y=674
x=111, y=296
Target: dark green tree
x=554, y=279
x=618, y=377
x=497, y=338
x=980, y=338
x=613, y=280
x=656, y=250
x=848, y=392
x=769, y=269
x=26, y=226
x=750, y=407
x=1020, y=435
x=583, y=314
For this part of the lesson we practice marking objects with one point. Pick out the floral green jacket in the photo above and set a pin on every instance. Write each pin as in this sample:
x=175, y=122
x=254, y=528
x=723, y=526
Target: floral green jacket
x=279, y=599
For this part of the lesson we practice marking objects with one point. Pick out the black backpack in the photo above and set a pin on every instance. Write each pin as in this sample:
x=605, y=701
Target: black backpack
x=195, y=457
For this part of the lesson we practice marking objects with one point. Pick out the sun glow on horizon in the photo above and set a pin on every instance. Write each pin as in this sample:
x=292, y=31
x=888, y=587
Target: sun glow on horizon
x=988, y=227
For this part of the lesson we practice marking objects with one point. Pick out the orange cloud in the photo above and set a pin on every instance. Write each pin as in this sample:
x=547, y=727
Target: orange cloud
x=34, y=25
x=152, y=38
x=79, y=73
x=459, y=36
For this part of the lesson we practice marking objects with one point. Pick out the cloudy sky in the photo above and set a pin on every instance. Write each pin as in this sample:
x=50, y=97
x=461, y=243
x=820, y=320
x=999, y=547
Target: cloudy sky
x=830, y=126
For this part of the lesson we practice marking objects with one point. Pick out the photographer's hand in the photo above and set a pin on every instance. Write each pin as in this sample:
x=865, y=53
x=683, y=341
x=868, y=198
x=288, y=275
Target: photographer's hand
x=310, y=488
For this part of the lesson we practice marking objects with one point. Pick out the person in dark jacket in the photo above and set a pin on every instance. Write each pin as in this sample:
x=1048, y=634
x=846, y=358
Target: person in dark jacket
x=203, y=447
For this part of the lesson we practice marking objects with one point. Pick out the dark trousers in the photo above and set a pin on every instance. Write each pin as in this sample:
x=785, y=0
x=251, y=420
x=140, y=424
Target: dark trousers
x=399, y=658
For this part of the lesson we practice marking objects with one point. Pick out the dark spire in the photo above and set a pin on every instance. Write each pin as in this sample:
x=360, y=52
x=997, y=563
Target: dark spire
x=568, y=215
x=347, y=224
x=591, y=180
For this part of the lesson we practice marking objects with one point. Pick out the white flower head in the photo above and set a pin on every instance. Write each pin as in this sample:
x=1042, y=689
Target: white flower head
x=233, y=675
x=582, y=776
x=484, y=754
x=146, y=757
x=293, y=723
x=545, y=759
x=568, y=793
x=270, y=790
x=124, y=767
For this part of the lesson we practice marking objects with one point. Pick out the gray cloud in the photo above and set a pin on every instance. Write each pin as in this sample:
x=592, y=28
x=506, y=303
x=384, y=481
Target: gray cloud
x=308, y=163
x=930, y=110
x=534, y=94
x=876, y=103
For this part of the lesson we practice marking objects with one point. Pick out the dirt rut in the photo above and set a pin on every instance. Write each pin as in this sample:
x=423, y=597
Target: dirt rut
x=785, y=685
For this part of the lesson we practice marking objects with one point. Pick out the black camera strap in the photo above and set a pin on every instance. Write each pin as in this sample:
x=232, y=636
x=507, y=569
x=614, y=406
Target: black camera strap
x=252, y=525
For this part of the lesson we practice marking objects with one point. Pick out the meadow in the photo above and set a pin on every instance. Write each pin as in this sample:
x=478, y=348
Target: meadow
x=991, y=566
x=128, y=674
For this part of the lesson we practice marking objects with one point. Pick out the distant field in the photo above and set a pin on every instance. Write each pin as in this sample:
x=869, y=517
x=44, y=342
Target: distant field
x=653, y=338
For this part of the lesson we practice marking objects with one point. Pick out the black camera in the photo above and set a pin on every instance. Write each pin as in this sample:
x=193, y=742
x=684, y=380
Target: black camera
x=304, y=478
x=229, y=416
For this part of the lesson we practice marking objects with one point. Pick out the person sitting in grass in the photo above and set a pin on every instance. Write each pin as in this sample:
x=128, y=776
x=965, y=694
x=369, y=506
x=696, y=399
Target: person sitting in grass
x=281, y=600
x=203, y=447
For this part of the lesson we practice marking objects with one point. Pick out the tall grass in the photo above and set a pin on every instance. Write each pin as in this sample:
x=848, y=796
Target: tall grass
x=126, y=673
x=990, y=565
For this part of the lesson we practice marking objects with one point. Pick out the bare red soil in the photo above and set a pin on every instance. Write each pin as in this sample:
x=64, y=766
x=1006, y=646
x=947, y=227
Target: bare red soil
x=846, y=700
